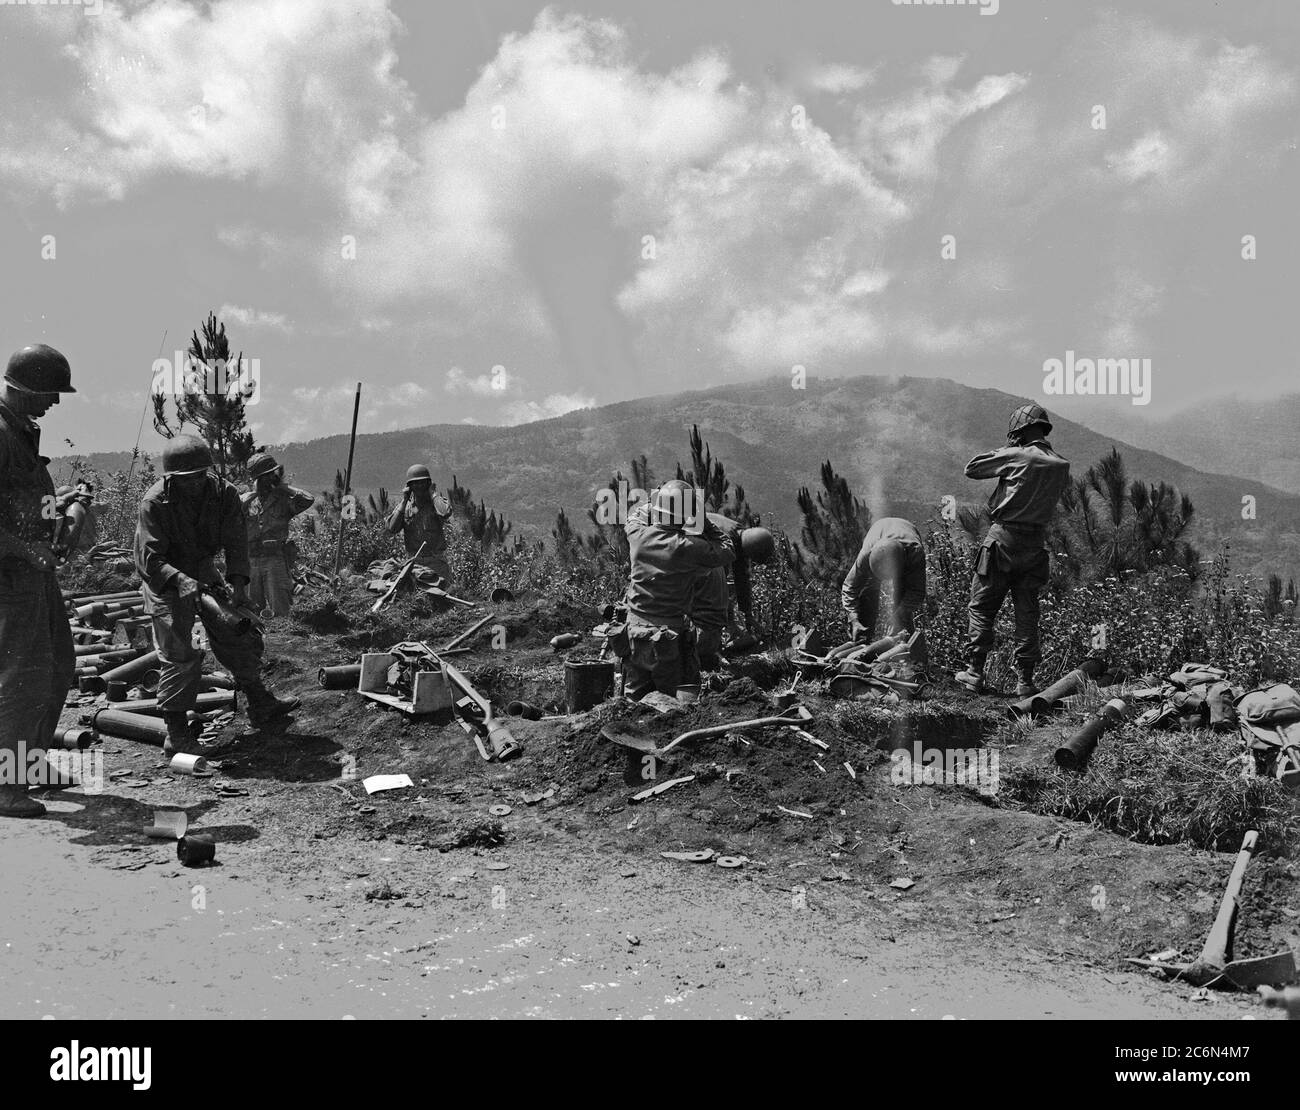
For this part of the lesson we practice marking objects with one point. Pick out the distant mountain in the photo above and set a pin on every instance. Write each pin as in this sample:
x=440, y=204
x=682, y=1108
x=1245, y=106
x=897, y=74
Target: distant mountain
x=1250, y=439
x=901, y=442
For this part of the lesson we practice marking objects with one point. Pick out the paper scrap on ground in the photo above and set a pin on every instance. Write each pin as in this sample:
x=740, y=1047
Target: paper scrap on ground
x=375, y=783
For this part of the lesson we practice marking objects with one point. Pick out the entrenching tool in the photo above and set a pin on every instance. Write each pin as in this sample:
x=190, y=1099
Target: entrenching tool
x=646, y=745
x=1215, y=963
x=438, y=592
x=457, y=641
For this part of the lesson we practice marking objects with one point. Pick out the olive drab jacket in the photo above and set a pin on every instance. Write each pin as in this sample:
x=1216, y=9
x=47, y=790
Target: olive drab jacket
x=888, y=529
x=26, y=489
x=666, y=565
x=184, y=535
x=1031, y=478
x=711, y=601
x=269, y=516
x=422, y=524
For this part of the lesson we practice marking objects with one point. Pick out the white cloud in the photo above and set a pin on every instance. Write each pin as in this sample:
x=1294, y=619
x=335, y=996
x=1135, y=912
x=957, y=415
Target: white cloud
x=837, y=78
x=556, y=404
x=495, y=384
x=254, y=318
x=277, y=92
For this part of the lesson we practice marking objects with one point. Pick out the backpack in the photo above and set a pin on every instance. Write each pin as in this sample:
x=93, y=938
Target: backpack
x=1270, y=727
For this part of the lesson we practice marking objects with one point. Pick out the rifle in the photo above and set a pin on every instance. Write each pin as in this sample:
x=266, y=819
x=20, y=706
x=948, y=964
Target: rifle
x=503, y=744
x=402, y=576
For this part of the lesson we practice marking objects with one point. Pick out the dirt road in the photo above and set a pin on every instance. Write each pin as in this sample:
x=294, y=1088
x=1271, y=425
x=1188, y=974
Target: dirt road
x=126, y=932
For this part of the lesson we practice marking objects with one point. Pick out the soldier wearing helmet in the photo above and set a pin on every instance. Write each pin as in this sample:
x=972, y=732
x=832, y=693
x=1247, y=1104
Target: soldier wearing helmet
x=892, y=554
x=1013, y=558
x=36, y=654
x=715, y=600
x=420, y=518
x=670, y=547
x=186, y=520
x=269, y=506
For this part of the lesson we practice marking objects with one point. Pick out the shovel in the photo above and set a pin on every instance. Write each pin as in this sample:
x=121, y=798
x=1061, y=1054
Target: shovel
x=1215, y=961
x=646, y=745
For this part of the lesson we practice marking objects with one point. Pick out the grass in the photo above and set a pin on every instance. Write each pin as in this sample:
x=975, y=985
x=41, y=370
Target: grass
x=1163, y=788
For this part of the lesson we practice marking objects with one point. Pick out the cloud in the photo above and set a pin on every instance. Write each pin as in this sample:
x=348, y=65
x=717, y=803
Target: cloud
x=254, y=318
x=273, y=92
x=497, y=383
x=556, y=404
x=837, y=78
x=319, y=410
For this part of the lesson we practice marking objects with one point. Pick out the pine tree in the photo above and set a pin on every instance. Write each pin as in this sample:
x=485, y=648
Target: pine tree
x=212, y=401
x=709, y=475
x=834, y=523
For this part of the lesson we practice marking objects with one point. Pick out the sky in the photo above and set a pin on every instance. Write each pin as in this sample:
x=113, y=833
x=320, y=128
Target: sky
x=503, y=211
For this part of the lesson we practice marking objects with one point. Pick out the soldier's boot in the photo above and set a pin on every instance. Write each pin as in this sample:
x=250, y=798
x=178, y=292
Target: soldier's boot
x=14, y=802
x=1026, y=687
x=971, y=679
x=265, y=707
x=180, y=737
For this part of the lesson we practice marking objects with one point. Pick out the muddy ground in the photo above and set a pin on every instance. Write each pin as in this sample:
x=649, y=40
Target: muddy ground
x=854, y=895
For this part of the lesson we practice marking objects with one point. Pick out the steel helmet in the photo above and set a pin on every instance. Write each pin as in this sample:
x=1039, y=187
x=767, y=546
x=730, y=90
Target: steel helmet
x=186, y=455
x=1026, y=415
x=39, y=369
x=673, y=503
x=418, y=473
x=757, y=544
x=261, y=464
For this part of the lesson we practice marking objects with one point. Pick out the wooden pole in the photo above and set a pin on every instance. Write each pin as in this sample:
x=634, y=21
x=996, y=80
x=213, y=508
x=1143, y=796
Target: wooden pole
x=347, y=481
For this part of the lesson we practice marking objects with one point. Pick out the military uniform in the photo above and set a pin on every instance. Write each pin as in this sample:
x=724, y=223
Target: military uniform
x=892, y=549
x=667, y=564
x=424, y=524
x=36, y=656
x=270, y=585
x=713, y=597
x=183, y=535
x=1013, y=558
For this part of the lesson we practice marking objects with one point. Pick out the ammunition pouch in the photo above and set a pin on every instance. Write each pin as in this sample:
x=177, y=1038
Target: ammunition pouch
x=616, y=636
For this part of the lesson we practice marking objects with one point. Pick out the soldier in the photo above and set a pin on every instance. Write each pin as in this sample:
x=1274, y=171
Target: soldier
x=185, y=520
x=36, y=656
x=1013, y=558
x=712, y=608
x=666, y=565
x=269, y=507
x=892, y=553
x=420, y=519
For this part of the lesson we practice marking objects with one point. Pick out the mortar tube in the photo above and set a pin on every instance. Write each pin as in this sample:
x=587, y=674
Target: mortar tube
x=204, y=703
x=106, y=660
x=134, y=669
x=130, y=726
x=524, y=709
x=76, y=600
x=1045, y=700
x=342, y=677
x=75, y=739
x=1073, y=754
